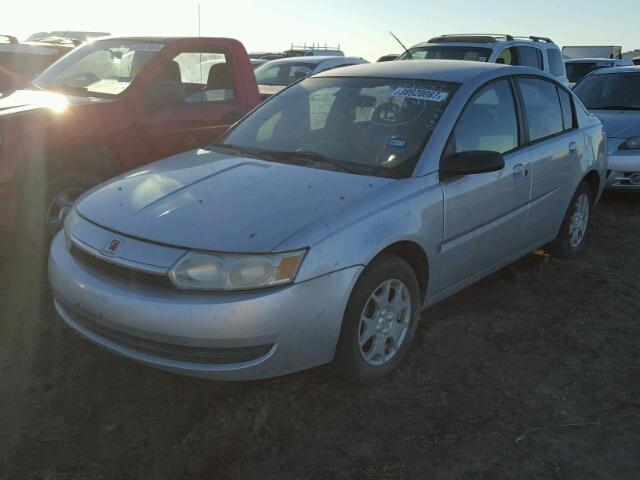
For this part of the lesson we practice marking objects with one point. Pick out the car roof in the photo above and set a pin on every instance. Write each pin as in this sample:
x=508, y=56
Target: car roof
x=312, y=59
x=438, y=70
x=610, y=70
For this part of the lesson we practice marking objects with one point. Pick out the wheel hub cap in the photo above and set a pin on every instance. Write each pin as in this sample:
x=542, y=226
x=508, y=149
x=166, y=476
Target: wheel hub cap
x=384, y=322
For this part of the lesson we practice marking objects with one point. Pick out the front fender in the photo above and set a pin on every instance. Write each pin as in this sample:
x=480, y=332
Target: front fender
x=409, y=210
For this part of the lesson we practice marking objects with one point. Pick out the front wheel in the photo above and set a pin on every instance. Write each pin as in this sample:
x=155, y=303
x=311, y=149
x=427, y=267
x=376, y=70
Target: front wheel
x=573, y=232
x=380, y=320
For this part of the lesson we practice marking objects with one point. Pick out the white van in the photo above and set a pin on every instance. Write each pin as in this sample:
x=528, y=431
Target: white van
x=594, y=51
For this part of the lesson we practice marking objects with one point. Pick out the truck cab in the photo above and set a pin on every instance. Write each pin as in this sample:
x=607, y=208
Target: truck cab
x=107, y=107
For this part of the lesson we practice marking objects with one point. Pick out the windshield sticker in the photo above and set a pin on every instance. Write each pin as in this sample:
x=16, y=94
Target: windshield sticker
x=420, y=94
x=396, y=142
x=147, y=47
x=482, y=59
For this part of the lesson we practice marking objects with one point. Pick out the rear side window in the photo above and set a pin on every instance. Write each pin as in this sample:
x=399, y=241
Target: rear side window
x=489, y=122
x=542, y=108
x=567, y=109
x=530, y=57
x=556, y=65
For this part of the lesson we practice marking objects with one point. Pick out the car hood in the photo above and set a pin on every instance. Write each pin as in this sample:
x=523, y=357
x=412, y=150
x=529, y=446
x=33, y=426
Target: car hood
x=22, y=101
x=210, y=201
x=620, y=123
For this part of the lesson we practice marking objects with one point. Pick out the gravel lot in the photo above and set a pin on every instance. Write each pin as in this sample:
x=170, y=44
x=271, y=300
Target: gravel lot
x=531, y=374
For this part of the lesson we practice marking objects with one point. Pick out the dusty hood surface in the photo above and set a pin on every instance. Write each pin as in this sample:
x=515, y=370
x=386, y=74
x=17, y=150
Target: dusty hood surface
x=620, y=123
x=212, y=201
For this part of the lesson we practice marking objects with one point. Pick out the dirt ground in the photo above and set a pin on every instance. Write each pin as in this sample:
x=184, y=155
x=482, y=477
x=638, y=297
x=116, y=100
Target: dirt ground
x=534, y=373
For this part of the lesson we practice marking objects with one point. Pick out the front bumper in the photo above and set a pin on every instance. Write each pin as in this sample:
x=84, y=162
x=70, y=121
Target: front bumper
x=624, y=170
x=225, y=336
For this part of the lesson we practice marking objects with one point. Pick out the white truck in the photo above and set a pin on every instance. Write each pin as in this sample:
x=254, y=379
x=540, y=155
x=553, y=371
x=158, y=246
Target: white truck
x=594, y=51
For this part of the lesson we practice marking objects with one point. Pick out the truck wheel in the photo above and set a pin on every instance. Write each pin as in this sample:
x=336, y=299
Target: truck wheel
x=573, y=232
x=42, y=214
x=380, y=320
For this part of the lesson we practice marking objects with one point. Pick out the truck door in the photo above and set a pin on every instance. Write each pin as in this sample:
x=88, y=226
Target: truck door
x=193, y=98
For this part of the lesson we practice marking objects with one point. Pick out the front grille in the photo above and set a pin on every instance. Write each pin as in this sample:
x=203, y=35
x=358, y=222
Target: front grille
x=169, y=351
x=124, y=274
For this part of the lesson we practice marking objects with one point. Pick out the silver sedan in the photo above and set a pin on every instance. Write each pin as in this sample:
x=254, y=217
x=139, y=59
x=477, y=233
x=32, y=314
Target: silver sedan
x=613, y=94
x=323, y=224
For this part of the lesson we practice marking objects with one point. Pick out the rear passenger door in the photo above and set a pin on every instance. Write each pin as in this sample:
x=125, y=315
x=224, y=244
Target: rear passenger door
x=556, y=147
x=485, y=214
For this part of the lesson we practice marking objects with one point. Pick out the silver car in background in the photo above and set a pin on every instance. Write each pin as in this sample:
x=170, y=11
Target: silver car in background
x=613, y=94
x=326, y=220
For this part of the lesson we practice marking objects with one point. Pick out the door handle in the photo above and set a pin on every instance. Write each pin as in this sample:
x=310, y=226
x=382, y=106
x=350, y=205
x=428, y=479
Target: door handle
x=573, y=146
x=519, y=170
x=231, y=117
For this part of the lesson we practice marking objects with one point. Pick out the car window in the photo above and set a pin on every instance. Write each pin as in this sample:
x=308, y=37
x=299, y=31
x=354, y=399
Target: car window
x=447, y=52
x=283, y=74
x=489, y=122
x=610, y=91
x=368, y=125
x=206, y=76
x=105, y=67
x=530, y=57
x=508, y=57
x=567, y=109
x=541, y=107
x=556, y=65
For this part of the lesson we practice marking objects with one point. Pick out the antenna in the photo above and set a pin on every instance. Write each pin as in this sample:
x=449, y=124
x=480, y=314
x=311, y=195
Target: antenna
x=401, y=44
x=199, y=23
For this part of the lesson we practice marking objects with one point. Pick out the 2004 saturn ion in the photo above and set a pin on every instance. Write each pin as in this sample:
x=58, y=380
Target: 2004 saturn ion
x=321, y=225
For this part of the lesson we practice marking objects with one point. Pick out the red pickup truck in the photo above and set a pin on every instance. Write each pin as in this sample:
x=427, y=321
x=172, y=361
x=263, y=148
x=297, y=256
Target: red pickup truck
x=107, y=107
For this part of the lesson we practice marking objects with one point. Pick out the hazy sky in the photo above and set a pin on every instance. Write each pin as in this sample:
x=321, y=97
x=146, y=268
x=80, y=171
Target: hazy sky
x=360, y=27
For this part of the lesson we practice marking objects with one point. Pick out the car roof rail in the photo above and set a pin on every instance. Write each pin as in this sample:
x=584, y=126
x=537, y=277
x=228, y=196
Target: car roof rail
x=535, y=38
x=9, y=39
x=472, y=37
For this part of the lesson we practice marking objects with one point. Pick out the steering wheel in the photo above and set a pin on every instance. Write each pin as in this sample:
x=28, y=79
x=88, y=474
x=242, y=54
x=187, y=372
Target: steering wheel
x=386, y=114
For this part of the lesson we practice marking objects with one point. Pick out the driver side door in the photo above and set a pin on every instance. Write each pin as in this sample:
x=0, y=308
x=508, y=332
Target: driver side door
x=486, y=213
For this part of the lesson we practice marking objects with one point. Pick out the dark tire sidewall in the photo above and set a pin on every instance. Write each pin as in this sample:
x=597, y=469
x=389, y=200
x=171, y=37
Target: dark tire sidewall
x=352, y=365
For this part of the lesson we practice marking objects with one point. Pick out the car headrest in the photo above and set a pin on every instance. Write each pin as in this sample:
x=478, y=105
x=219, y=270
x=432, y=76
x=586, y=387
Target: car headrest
x=169, y=73
x=219, y=77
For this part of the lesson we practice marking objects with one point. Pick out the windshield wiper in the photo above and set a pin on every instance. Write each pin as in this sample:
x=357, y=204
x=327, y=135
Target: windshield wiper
x=314, y=157
x=70, y=88
x=239, y=149
x=616, y=107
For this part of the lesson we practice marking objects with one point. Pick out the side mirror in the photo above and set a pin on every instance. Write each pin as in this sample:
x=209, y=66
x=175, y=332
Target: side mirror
x=468, y=163
x=165, y=94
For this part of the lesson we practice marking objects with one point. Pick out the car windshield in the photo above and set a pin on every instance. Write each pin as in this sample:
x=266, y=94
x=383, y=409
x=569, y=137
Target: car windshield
x=610, y=91
x=283, y=74
x=576, y=71
x=368, y=126
x=447, y=52
x=103, y=68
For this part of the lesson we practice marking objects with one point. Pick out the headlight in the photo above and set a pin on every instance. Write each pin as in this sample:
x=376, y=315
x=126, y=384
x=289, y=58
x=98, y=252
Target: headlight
x=632, y=143
x=70, y=222
x=233, y=272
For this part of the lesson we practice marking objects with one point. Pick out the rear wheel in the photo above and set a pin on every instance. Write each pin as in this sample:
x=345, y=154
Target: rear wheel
x=573, y=232
x=380, y=320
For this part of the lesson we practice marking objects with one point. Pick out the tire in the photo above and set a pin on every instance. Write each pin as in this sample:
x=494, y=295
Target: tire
x=39, y=205
x=362, y=355
x=572, y=236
